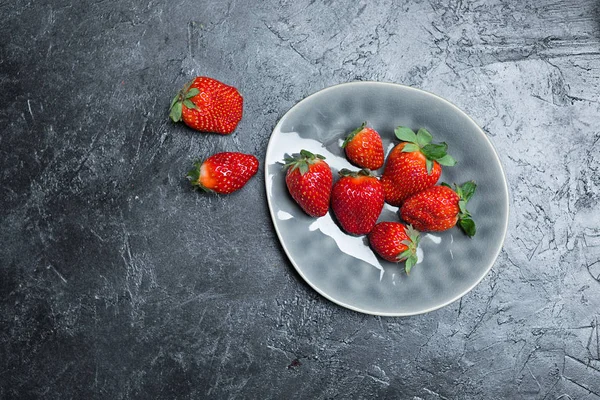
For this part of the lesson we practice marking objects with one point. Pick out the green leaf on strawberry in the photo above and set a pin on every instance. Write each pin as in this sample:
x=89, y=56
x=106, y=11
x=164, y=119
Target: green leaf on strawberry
x=410, y=254
x=405, y=134
x=193, y=175
x=447, y=161
x=182, y=99
x=465, y=192
x=468, y=226
x=410, y=147
x=303, y=161
x=175, y=99
x=361, y=172
x=429, y=165
x=468, y=189
x=423, y=137
x=176, y=110
x=410, y=262
x=434, y=151
x=189, y=104
x=462, y=206
x=353, y=134
x=421, y=141
x=191, y=93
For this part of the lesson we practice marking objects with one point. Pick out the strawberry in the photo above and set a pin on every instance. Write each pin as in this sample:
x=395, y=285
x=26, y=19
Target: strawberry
x=413, y=165
x=223, y=172
x=357, y=200
x=440, y=208
x=207, y=105
x=395, y=242
x=364, y=148
x=309, y=179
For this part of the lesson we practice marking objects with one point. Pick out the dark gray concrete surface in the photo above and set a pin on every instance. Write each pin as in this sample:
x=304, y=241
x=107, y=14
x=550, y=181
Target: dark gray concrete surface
x=118, y=281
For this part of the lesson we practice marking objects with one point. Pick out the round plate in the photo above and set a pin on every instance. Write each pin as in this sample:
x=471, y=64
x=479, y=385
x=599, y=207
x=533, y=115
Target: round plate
x=343, y=268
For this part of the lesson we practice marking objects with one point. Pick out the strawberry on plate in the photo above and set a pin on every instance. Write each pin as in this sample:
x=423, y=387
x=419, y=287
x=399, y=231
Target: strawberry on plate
x=440, y=208
x=357, y=200
x=364, y=148
x=413, y=165
x=309, y=179
x=207, y=105
x=395, y=242
x=223, y=173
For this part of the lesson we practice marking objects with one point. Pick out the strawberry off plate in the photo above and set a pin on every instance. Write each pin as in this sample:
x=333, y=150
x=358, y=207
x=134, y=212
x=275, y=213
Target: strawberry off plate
x=343, y=268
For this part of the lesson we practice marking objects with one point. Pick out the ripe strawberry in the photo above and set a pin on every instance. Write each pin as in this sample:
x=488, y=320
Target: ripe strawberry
x=413, y=165
x=207, y=105
x=357, y=200
x=395, y=242
x=309, y=179
x=223, y=172
x=364, y=148
x=439, y=208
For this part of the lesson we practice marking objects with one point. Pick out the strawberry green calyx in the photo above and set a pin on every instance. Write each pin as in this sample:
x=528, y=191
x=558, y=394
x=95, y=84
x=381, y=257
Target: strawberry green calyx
x=355, y=174
x=421, y=141
x=302, y=161
x=465, y=192
x=353, y=134
x=193, y=176
x=410, y=254
x=182, y=98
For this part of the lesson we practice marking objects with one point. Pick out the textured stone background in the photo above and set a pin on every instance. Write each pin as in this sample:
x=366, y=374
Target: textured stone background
x=119, y=281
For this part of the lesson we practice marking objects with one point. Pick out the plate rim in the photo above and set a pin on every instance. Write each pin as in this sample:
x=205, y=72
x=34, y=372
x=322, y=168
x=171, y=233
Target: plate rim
x=352, y=307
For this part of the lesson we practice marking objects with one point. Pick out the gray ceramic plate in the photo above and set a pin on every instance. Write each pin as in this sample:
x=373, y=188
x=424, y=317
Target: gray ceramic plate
x=343, y=268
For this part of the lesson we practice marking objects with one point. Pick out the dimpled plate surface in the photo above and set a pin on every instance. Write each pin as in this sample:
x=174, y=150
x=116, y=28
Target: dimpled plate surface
x=341, y=267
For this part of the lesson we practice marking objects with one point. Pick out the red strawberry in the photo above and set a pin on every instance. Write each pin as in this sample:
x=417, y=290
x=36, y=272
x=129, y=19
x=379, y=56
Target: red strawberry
x=439, y=208
x=223, y=172
x=309, y=181
x=394, y=242
x=364, y=148
x=357, y=200
x=413, y=165
x=207, y=105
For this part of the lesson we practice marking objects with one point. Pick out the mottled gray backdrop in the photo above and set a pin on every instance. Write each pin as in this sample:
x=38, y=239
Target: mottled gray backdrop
x=118, y=281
